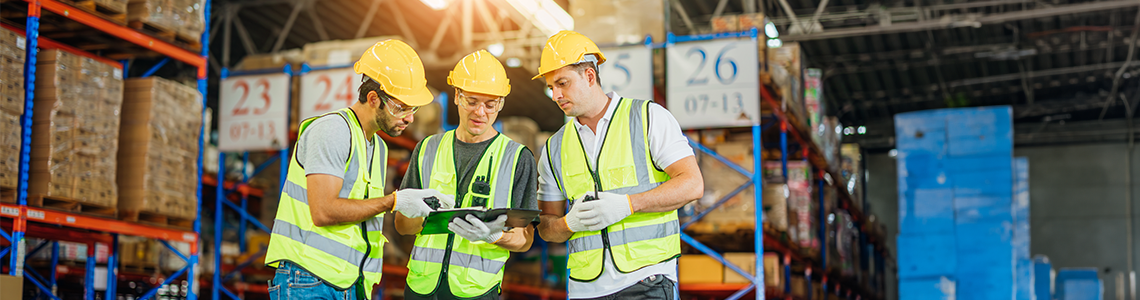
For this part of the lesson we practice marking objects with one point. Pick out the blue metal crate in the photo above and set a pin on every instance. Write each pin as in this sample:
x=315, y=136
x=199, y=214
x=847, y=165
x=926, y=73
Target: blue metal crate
x=926, y=211
x=926, y=255
x=982, y=209
x=986, y=285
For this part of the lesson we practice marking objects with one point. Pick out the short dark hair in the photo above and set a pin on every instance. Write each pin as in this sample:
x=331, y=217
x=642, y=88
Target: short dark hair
x=369, y=85
x=581, y=69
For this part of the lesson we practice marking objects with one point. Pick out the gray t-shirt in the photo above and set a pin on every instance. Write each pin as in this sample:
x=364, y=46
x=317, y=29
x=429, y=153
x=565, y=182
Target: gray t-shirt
x=467, y=157
x=324, y=148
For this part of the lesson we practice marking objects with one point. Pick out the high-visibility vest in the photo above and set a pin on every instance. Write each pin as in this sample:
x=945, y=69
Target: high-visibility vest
x=623, y=166
x=474, y=267
x=340, y=255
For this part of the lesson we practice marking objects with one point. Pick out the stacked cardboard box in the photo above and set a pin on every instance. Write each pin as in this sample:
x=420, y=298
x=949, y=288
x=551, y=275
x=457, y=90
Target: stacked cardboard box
x=851, y=168
x=12, y=52
x=184, y=17
x=75, y=128
x=616, y=22
x=785, y=70
x=114, y=5
x=956, y=201
x=802, y=208
x=158, y=148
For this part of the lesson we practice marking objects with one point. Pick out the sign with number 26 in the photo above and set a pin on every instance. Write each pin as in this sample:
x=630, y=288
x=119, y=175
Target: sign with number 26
x=254, y=110
x=714, y=83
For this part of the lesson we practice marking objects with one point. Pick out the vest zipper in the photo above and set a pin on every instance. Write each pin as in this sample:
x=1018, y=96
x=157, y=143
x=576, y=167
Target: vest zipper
x=451, y=236
x=598, y=181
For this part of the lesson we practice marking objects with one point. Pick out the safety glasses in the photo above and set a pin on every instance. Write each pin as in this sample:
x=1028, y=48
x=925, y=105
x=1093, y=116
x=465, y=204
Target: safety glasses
x=471, y=104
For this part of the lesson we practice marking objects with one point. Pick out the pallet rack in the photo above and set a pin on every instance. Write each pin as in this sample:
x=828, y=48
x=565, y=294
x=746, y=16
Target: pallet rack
x=766, y=241
x=28, y=221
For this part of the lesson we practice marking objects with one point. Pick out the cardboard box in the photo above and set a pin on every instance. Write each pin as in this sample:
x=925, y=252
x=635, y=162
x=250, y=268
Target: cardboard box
x=75, y=128
x=183, y=17
x=158, y=148
x=11, y=287
x=773, y=269
x=617, y=22
x=700, y=268
x=12, y=53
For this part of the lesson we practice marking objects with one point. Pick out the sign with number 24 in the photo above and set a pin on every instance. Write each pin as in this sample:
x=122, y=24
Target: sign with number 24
x=714, y=83
x=328, y=90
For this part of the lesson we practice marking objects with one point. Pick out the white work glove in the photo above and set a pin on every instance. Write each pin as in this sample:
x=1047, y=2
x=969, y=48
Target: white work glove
x=475, y=230
x=410, y=202
x=572, y=220
x=608, y=209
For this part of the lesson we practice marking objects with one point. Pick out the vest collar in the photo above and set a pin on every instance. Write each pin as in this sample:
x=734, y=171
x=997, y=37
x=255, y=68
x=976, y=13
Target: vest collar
x=605, y=116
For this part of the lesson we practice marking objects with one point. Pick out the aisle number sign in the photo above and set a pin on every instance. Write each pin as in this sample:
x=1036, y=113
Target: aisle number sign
x=714, y=83
x=328, y=90
x=254, y=112
x=628, y=71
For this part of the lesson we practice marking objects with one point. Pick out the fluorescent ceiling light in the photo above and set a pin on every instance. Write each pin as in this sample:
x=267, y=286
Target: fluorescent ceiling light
x=775, y=43
x=544, y=14
x=770, y=30
x=435, y=4
x=514, y=62
x=496, y=49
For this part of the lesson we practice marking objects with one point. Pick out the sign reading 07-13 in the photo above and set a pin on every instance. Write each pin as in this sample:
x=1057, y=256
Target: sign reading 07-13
x=714, y=83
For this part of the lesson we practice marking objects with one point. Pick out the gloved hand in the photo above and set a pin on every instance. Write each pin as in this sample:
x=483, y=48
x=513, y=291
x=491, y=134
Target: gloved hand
x=608, y=209
x=474, y=229
x=410, y=202
x=572, y=217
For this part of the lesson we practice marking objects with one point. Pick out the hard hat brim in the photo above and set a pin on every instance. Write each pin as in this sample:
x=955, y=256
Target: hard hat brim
x=418, y=97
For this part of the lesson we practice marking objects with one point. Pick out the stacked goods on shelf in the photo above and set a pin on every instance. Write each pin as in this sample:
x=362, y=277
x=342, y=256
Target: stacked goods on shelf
x=1079, y=284
x=828, y=136
x=75, y=129
x=737, y=212
x=737, y=23
x=183, y=18
x=12, y=54
x=137, y=253
x=802, y=208
x=956, y=192
x=784, y=71
x=813, y=97
x=158, y=149
x=843, y=241
x=1023, y=270
x=699, y=268
x=618, y=22
x=773, y=268
x=851, y=169
x=113, y=5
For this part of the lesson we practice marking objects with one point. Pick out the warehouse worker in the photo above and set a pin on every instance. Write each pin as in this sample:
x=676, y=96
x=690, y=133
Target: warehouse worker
x=630, y=155
x=327, y=240
x=481, y=168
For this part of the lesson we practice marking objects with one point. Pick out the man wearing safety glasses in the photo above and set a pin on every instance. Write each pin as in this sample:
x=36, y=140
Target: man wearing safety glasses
x=327, y=240
x=481, y=168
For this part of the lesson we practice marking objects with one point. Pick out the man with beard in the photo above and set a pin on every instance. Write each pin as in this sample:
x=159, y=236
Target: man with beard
x=481, y=168
x=625, y=168
x=327, y=239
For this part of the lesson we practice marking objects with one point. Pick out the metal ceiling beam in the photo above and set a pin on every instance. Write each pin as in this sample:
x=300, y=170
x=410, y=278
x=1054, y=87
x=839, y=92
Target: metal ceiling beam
x=684, y=16
x=244, y=36
x=441, y=30
x=401, y=23
x=466, y=20
x=320, y=27
x=226, y=36
x=964, y=20
x=288, y=26
x=368, y=18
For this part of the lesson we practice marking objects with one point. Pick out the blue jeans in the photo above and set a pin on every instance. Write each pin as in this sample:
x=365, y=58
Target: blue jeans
x=293, y=282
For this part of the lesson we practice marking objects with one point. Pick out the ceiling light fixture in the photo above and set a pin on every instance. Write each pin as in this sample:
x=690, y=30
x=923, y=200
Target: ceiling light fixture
x=496, y=49
x=544, y=14
x=435, y=4
x=514, y=62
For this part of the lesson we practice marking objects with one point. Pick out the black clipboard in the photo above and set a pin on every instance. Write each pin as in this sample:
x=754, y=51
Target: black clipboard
x=437, y=221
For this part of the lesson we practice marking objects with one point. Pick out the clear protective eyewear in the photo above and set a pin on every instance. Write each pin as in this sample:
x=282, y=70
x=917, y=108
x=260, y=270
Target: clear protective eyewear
x=399, y=110
x=471, y=104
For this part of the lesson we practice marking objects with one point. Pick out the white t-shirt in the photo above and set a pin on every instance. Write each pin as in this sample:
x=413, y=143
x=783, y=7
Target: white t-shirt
x=666, y=145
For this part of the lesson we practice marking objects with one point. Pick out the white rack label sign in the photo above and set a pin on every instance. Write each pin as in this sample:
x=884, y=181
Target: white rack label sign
x=254, y=112
x=714, y=83
x=628, y=71
x=328, y=90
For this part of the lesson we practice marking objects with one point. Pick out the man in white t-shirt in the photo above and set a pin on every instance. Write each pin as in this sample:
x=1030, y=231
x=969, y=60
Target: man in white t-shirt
x=625, y=168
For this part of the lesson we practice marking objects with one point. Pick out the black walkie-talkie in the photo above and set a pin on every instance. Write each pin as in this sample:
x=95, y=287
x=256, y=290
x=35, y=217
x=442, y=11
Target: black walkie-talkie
x=433, y=202
x=481, y=188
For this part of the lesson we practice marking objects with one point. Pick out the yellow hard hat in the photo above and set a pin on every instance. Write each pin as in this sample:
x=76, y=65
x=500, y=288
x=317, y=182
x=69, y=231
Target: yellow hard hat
x=398, y=69
x=566, y=48
x=480, y=72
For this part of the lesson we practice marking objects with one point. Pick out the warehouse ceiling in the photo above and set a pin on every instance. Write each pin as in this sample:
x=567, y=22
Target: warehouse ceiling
x=441, y=37
x=1056, y=62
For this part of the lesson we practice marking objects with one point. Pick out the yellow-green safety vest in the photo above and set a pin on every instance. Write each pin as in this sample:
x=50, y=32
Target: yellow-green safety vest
x=475, y=267
x=623, y=166
x=340, y=255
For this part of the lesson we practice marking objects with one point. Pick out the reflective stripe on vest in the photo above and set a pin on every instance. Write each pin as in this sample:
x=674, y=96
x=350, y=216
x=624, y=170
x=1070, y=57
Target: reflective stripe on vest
x=624, y=166
x=474, y=267
x=339, y=254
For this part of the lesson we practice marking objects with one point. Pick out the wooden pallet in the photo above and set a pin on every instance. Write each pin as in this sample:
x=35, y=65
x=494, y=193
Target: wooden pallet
x=71, y=205
x=98, y=9
x=150, y=218
x=166, y=34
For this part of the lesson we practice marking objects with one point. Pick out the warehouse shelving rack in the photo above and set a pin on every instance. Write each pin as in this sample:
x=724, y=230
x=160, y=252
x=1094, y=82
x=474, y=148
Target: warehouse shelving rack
x=765, y=241
x=57, y=225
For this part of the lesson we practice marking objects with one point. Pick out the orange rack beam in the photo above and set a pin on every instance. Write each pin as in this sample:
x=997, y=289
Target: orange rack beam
x=72, y=220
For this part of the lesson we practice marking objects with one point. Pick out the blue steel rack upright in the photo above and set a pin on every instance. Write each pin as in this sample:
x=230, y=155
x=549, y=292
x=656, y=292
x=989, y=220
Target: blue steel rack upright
x=20, y=213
